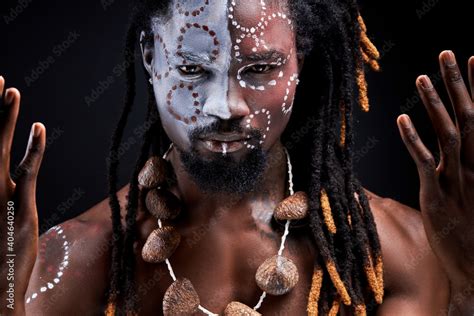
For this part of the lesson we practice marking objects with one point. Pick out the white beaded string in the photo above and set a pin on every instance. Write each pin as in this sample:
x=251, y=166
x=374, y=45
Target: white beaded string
x=283, y=237
x=287, y=225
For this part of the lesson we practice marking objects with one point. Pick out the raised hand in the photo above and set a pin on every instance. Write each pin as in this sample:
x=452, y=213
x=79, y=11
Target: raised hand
x=447, y=190
x=18, y=213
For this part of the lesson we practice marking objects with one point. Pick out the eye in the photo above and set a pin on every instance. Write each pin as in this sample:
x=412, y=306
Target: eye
x=191, y=70
x=260, y=69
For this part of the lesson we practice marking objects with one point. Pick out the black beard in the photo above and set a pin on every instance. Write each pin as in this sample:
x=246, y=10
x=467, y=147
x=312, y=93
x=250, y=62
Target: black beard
x=224, y=174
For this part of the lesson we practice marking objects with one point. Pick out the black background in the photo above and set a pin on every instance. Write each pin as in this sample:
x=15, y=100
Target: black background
x=73, y=175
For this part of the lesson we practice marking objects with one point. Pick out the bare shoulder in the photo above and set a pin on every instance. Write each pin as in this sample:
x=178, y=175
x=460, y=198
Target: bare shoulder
x=72, y=266
x=413, y=275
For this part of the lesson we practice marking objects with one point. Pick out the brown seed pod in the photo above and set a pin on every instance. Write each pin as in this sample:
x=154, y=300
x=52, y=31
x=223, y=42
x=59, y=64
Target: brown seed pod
x=239, y=309
x=162, y=204
x=153, y=173
x=293, y=207
x=180, y=298
x=277, y=275
x=160, y=244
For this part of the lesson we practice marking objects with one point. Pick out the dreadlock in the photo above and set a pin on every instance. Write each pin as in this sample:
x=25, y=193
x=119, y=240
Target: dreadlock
x=349, y=268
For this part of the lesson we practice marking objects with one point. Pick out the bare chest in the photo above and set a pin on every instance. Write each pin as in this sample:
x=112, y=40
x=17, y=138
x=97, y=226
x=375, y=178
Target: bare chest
x=221, y=265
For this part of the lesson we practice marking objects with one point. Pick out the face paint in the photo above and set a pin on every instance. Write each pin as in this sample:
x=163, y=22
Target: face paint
x=224, y=149
x=225, y=60
x=57, y=233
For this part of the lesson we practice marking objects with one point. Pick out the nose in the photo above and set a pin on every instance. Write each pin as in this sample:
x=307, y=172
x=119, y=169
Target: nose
x=236, y=101
x=226, y=102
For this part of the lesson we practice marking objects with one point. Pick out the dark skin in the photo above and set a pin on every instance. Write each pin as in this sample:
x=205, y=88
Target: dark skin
x=425, y=269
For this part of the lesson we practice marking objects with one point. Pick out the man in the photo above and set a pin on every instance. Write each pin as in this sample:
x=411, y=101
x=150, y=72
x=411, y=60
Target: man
x=223, y=77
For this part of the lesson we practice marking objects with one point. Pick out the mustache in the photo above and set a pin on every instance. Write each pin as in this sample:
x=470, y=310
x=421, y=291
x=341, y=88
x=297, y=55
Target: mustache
x=224, y=126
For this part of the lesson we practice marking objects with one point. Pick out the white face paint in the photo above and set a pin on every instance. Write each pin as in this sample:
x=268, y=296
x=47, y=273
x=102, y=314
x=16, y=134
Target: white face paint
x=48, y=284
x=192, y=39
x=213, y=56
x=256, y=35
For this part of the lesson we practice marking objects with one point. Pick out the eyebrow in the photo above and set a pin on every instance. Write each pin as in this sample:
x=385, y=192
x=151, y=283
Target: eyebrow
x=268, y=55
x=195, y=57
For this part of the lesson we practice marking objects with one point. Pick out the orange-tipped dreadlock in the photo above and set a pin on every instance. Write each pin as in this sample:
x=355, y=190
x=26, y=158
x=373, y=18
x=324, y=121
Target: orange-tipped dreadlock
x=335, y=308
x=327, y=213
x=317, y=282
x=333, y=33
x=373, y=265
x=360, y=310
x=374, y=279
x=338, y=284
x=111, y=307
x=370, y=55
x=343, y=125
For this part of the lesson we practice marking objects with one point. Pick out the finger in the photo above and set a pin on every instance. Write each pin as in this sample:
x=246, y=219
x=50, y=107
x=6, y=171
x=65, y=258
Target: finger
x=7, y=128
x=27, y=172
x=448, y=136
x=458, y=94
x=470, y=68
x=421, y=155
x=2, y=93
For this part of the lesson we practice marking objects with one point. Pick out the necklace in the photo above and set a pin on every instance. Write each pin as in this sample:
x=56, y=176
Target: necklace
x=275, y=276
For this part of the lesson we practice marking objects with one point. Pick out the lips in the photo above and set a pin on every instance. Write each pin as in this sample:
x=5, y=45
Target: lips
x=224, y=143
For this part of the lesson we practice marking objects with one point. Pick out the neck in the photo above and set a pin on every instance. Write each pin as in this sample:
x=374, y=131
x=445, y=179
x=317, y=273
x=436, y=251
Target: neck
x=202, y=206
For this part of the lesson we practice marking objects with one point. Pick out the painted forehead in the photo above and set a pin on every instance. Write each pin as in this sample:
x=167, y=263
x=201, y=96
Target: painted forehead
x=216, y=26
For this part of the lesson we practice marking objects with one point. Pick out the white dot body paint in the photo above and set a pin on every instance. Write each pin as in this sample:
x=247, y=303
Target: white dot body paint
x=263, y=112
x=49, y=285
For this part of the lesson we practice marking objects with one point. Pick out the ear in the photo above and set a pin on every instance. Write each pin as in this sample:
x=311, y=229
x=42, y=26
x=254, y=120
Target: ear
x=147, y=53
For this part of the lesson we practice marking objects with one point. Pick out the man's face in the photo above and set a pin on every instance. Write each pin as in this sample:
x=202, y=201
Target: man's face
x=224, y=75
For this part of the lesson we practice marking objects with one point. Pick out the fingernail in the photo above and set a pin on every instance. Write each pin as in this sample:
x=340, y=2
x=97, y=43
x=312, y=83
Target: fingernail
x=425, y=82
x=35, y=130
x=8, y=97
x=405, y=120
x=449, y=59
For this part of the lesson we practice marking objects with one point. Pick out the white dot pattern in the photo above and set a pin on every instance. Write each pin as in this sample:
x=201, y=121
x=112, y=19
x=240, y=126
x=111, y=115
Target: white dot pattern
x=64, y=263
